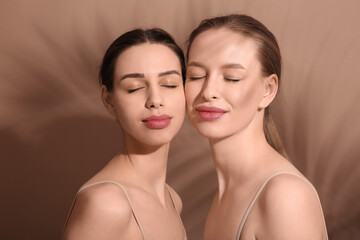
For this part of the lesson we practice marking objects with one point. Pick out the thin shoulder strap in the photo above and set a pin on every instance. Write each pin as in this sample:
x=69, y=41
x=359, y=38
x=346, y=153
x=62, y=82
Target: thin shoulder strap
x=127, y=197
x=173, y=202
x=247, y=212
x=172, y=199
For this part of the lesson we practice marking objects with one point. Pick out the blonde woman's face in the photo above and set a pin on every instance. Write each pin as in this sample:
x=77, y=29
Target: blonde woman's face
x=148, y=96
x=224, y=88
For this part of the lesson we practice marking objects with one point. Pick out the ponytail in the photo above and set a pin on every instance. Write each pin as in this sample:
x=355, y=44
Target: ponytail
x=272, y=135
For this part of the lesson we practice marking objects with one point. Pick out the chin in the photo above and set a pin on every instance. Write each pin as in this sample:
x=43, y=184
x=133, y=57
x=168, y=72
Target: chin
x=154, y=137
x=210, y=131
x=157, y=138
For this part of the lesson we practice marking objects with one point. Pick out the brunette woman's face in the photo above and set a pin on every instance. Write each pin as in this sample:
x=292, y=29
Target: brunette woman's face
x=224, y=86
x=148, y=96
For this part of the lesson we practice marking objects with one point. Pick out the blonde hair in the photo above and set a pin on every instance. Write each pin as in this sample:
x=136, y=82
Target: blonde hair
x=268, y=54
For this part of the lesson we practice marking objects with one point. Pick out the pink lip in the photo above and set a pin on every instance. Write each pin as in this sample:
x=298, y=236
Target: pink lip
x=157, y=121
x=210, y=113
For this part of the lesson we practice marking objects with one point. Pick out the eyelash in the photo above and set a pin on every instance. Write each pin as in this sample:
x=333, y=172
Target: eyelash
x=232, y=80
x=167, y=86
x=133, y=90
x=227, y=79
x=196, y=78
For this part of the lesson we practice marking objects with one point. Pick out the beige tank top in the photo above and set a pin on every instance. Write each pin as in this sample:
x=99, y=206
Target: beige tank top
x=247, y=212
x=128, y=199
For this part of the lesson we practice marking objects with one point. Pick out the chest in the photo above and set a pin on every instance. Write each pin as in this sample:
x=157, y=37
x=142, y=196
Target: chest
x=158, y=221
x=226, y=214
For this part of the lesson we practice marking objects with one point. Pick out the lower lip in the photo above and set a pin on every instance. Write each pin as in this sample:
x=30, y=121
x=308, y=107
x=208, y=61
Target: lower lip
x=210, y=116
x=157, y=124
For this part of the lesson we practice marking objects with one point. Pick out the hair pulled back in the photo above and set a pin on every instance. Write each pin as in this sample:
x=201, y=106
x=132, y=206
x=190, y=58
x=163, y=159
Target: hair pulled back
x=268, y=55
x=133, y=38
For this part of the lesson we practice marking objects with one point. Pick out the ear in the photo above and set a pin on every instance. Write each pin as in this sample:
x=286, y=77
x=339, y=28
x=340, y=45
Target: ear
x=107, y=99
x=271, y=84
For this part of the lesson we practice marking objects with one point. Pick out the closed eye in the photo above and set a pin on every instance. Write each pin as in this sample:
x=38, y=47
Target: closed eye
x=196, y=78
x=232, y=79
x=169, y=86
x=134, y=89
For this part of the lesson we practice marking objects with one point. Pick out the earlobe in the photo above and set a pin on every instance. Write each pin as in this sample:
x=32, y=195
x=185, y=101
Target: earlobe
x=270, y=90
x=107, y=100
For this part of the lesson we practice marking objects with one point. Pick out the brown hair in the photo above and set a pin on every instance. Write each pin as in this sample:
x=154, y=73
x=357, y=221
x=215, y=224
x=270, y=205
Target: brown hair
x=268, y=54
x=133, y=38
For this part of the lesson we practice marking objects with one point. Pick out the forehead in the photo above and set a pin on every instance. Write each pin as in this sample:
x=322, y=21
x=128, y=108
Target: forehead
x=147, y=58
x=222, y=46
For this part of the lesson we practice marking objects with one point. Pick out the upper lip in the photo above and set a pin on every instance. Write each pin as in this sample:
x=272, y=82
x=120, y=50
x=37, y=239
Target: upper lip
x=210, y=109
x=156, y=117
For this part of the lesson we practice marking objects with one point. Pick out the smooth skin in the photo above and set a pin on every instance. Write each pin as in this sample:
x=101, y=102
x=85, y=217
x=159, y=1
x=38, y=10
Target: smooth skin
x=224, y=72
x=147, y=82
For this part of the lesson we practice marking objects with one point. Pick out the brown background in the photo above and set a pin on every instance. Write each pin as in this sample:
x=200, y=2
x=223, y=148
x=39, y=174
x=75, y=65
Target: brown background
x=54, y=132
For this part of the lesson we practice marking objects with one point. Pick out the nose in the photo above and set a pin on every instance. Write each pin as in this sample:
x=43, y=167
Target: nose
x=210, y=91
x=154, y=98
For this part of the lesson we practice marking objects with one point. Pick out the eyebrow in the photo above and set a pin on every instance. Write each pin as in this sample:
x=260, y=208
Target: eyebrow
x=196, y=64
x=233, y=65
x=169, y=73
x=226, y=66
x=132, y=75
x=141, y=75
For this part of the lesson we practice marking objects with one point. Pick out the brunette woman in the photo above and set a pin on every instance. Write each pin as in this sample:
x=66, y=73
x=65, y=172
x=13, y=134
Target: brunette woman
x=233, y=75
x=141, y=80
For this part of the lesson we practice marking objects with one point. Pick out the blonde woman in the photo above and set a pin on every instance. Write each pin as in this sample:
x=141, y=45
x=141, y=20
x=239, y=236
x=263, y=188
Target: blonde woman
x=233, y=74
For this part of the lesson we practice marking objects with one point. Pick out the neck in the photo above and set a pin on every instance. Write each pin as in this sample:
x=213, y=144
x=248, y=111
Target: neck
x=146, y=164
x=238, y=157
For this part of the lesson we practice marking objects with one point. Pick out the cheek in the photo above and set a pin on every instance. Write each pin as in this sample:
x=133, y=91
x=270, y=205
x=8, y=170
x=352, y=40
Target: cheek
x=127, y=109
x=175, y=100
x=247, y=98
x=191, y=91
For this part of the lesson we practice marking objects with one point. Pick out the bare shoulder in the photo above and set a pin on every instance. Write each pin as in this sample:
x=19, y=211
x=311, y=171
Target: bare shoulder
x=100, y=212
x=106, y=199
x=176, y=198
x=290, y=209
